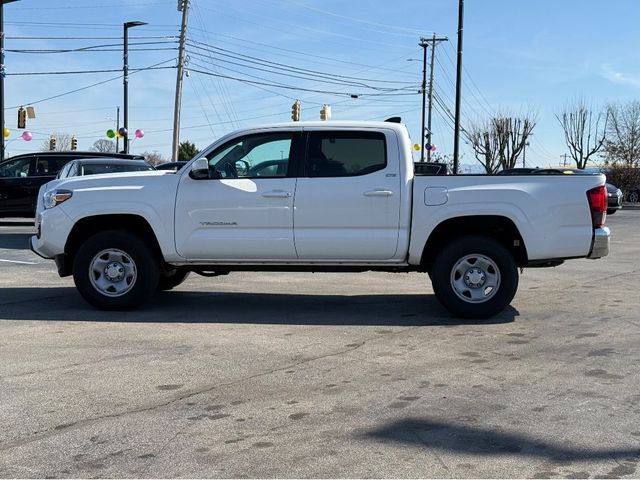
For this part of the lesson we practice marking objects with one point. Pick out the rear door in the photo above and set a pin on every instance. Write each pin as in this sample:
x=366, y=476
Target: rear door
x=347, y=205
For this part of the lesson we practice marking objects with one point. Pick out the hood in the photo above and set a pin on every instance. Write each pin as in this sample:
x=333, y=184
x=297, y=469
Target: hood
x=109, y=179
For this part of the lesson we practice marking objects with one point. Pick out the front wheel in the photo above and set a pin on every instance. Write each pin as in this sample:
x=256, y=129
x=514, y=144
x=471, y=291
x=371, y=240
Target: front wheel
x=611, y=211
x=114, y=270
x=475, y=277
x=634, y=196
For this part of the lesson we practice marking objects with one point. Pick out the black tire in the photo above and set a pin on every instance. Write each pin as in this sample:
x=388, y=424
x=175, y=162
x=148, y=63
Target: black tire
x=135, y=271
x=171, y=280
x=483, y=260
x=634, y=196
x=611, y=211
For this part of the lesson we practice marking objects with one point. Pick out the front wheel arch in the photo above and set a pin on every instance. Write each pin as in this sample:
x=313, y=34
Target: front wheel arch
x=89, y=226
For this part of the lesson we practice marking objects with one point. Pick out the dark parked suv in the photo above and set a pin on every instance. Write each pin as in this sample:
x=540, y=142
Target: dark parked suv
x=22, y=176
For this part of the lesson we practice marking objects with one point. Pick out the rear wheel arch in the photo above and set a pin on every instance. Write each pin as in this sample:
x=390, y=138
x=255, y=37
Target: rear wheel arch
x=500, y=228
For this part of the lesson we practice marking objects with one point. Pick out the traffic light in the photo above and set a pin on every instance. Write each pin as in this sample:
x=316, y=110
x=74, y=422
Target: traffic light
x=74, y=143
x=295, y=111
x=22, y=118
x=325, y=112
x=52, y=143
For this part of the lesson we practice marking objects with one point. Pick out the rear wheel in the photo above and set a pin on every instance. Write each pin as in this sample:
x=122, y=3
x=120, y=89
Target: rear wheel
x=475, y=277
x=115, y=270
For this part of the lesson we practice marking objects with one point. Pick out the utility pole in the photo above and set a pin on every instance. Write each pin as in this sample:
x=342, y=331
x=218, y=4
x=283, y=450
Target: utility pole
x=434, y=41
x=183, y=6
x=564, y=158
x=423, y=43
x=456, y=134
x=2, y=2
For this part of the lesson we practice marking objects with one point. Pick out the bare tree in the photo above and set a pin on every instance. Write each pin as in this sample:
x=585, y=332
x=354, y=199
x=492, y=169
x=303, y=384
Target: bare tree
x=104, y=146
x=486, y=146
x=623, y=134
x=584, y=130
x=499, y=142
x=63, y=142
x=154, y=158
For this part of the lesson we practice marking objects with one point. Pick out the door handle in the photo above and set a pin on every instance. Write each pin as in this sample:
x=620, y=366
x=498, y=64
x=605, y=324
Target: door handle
x=378, y=192
x=276, y=194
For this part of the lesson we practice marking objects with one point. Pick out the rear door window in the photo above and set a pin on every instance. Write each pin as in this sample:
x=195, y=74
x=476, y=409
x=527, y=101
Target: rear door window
x=345, y=154
x=46, y=166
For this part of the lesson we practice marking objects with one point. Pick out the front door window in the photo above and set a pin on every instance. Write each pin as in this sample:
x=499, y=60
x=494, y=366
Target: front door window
x=15, y=168
x=253, y=156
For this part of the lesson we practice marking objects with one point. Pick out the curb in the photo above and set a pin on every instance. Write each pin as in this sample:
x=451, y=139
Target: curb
x=16, y=222
x=631, y=206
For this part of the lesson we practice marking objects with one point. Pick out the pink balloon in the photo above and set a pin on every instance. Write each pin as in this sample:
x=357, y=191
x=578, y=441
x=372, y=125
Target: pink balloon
x=139, y=133
x=26, y=136
x=433, y=147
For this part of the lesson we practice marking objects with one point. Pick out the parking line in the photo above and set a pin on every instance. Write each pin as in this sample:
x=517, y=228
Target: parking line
x=18, y=261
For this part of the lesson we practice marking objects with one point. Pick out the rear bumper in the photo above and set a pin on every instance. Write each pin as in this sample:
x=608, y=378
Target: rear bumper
x=600, y=243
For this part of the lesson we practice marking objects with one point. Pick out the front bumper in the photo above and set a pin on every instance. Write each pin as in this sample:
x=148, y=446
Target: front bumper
x=53, y=227
x=600, y=243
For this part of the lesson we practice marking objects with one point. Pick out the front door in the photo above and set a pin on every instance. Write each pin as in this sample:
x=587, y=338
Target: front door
x=347, y=205
x=244, y=211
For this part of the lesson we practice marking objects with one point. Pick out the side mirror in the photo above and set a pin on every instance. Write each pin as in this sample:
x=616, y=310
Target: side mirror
x=200, y=169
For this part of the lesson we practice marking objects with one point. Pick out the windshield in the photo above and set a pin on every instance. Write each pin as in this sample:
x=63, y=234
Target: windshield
x=95, y=169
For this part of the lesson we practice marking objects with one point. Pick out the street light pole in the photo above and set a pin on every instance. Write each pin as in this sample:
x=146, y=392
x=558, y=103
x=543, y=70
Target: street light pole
x=125, y=81
x=2, y=2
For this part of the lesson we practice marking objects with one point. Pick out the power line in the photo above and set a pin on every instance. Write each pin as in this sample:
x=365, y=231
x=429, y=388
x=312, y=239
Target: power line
x=78, y=72
x=219, y=85
x=410, y=31
x=87, y=86
x=263, y=25
x=305, y=55
x=288, y=74
x=105, y=47
x=166, y=37
x=291, y=87
x=284, y=66
x=77, y=7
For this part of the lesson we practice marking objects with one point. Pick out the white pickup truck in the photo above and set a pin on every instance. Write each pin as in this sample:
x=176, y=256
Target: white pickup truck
x=317, y=196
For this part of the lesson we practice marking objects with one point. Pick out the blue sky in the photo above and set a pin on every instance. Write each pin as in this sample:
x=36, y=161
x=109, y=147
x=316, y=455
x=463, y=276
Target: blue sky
x=518, y=56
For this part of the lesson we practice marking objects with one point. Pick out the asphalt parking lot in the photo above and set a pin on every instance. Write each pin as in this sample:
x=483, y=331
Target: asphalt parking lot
x=322, y=375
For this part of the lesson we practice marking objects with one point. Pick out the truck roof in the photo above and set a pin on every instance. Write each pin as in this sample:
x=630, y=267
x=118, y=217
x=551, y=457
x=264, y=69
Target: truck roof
x=334, y=123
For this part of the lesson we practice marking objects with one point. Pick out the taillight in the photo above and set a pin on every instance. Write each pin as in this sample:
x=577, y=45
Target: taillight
x=598, y=205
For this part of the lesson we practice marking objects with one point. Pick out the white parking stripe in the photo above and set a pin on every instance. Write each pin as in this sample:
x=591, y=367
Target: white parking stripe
x=18, y=261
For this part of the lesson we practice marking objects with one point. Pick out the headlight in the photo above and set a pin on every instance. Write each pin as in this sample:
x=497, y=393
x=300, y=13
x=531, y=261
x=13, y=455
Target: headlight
x=56, y=197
